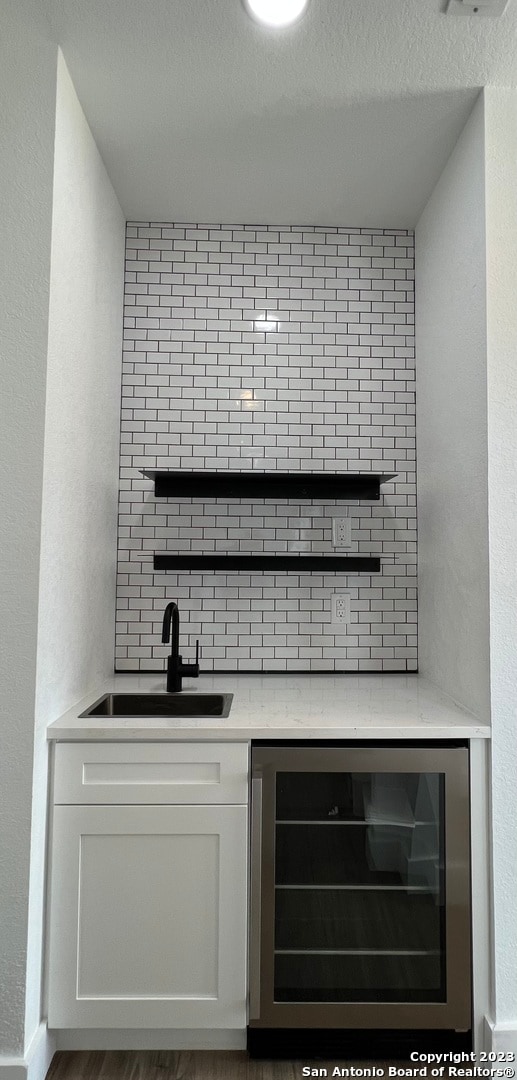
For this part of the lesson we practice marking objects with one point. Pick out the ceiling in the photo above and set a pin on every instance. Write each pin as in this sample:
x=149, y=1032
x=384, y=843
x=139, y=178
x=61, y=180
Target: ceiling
x=347, y=118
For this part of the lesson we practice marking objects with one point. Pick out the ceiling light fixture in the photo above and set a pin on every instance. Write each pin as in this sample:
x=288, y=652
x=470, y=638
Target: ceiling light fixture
x=276, y=13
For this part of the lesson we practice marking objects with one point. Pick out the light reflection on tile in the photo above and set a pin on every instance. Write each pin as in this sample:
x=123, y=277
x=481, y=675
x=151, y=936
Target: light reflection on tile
x=267, y=323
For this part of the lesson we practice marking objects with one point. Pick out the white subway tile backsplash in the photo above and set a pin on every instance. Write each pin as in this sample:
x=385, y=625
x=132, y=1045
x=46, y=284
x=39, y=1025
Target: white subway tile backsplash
x=267, y=348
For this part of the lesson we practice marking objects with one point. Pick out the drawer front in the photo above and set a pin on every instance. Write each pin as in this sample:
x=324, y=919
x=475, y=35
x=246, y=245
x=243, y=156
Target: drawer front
x=151, y=773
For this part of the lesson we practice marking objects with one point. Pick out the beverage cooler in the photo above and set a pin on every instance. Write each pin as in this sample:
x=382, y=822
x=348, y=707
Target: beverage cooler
x=360, y=899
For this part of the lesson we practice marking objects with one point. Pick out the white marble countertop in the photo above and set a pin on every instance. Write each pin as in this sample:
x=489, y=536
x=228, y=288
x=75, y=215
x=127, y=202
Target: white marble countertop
x=285, y=707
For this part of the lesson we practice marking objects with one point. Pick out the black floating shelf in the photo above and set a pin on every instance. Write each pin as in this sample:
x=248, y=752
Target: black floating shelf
x=262, y=485
x=275, y=564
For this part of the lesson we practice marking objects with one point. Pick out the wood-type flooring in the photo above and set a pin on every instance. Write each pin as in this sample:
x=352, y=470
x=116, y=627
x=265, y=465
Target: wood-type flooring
x=187, y=1065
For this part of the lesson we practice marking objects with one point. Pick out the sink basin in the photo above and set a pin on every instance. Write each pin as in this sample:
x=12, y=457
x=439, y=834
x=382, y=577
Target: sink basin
x=161, y=705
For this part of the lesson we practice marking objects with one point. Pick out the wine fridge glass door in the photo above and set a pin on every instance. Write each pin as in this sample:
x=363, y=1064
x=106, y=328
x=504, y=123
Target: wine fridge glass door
x=364, y=887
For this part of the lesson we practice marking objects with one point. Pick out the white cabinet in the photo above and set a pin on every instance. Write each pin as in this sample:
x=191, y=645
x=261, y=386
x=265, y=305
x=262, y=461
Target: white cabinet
x=148, y=902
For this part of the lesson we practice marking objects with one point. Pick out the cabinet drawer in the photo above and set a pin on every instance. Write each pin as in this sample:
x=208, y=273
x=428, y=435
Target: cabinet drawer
x=173, y=773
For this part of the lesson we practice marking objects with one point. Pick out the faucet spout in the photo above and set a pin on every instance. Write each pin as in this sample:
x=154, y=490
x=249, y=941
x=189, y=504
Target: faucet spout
x=171, y=628
x=176, y=669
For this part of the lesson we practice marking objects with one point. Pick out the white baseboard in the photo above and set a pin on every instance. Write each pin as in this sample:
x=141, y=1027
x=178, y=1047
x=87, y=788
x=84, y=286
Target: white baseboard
x=149, y=1039
x=501, y=1037
x=12, y=1068
x=35, y=1063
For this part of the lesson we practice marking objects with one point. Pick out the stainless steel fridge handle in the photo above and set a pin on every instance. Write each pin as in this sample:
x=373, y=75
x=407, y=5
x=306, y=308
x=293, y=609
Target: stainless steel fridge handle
x=256, y=896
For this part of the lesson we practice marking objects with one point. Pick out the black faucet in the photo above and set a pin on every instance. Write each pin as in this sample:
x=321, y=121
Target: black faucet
x=175, y=668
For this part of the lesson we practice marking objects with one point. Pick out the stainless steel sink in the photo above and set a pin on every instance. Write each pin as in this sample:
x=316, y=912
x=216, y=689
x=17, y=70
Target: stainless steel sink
x=161, y=705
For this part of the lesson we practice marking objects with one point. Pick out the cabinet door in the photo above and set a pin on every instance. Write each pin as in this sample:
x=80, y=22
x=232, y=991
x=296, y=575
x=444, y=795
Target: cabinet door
x=148, y=917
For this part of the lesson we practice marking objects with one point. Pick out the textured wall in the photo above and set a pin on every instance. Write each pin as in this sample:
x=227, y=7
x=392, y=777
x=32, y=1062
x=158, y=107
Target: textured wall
x=452, y=427
x=79, y=511
x=268, y=348
x=501, y=220
x=27, y=93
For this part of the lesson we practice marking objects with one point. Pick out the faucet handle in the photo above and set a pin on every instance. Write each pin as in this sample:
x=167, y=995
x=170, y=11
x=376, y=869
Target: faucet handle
x=191, y=670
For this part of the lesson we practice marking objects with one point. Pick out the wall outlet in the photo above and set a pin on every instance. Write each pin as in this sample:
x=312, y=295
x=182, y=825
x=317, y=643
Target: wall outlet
x=340, y=609
x=342, y=533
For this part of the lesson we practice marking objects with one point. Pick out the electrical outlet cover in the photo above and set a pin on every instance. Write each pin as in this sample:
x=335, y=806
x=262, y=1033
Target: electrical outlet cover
x=340, y=609
x=342, y=533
